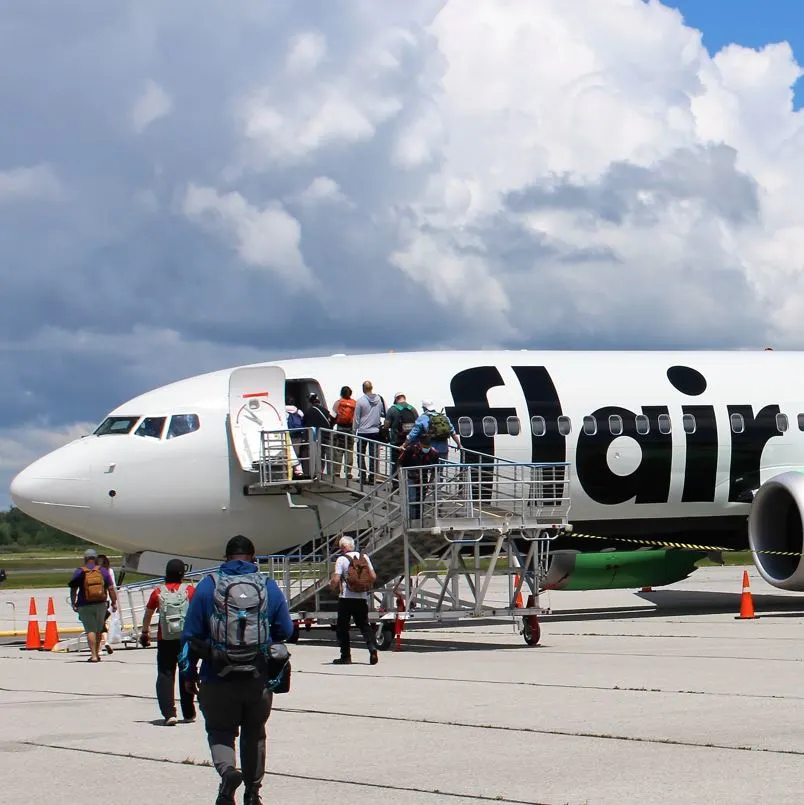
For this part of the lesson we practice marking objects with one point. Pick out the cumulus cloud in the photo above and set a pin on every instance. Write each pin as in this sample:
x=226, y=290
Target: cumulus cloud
x=267, y=237
x=323, y=190
x=152, y=104
x=20, y=184
x=347, y=175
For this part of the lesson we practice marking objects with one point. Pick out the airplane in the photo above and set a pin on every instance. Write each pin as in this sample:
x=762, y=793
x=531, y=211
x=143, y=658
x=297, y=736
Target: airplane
x=699, y=447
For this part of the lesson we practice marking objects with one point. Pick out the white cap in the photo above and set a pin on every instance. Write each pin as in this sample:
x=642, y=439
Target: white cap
x=428, y=405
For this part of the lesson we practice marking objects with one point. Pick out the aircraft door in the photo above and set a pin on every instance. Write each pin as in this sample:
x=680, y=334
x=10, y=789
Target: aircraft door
x=256, y=404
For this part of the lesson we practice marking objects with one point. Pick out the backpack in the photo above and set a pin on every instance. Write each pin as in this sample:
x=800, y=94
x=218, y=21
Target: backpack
x=407, y=419
x=358, y=575
x=172, y=611
x=240, y=624
x=346, y=412
x=94, y=585
x=295, y=421
x=439, y=427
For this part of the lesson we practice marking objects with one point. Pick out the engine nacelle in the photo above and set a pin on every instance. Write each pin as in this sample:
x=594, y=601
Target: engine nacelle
x=775, y=524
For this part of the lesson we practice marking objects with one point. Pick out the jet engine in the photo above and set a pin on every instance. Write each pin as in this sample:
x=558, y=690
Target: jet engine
x=775, y=524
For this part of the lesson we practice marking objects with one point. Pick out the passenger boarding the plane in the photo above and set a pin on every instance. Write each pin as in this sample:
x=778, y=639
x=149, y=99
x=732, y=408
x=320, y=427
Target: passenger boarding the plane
x=317, y=417
x=438, y=426
x=399, y=421
x=369, y=414
x=420, y=454
x=344, y=411
x=298, y=435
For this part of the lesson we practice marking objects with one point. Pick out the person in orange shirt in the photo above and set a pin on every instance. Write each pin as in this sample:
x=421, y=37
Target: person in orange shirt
x=171, y=600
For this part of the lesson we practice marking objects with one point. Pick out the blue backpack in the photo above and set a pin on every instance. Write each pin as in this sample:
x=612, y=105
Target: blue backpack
x=295, y=421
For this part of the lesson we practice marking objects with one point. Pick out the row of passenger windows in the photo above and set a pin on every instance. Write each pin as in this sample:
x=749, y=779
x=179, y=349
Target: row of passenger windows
x=150, y=426
x=614, y=425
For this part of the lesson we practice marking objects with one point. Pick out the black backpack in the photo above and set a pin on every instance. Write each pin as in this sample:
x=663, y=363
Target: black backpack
x=407, y=419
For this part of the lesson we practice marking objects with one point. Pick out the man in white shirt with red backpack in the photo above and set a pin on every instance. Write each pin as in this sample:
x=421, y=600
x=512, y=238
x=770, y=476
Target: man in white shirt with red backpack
x=354, y=577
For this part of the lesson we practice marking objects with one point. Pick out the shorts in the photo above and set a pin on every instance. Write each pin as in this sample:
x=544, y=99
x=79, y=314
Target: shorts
x=92, y=617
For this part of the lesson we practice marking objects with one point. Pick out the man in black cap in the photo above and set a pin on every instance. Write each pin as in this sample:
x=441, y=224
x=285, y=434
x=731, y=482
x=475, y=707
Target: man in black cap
x=317, y=417
x=399, y=422
x=234, y=610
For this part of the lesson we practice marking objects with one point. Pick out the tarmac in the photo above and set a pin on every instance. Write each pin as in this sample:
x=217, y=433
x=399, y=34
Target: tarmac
x=656, y=697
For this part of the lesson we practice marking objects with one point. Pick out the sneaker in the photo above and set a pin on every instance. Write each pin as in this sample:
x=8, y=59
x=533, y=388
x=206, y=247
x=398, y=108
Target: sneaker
x=171, y=722
x=230, y=781
x=342, y=661
x=373, y=658
x=188, y=720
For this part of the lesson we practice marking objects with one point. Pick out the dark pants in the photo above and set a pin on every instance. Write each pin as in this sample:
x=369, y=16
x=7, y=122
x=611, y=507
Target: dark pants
x=240, y=706
x=367, y=456
x=418, y=485
x=357, y=609
x=167, y=659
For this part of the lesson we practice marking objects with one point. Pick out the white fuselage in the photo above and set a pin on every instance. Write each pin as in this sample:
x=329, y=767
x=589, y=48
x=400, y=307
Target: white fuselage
x=185, y=495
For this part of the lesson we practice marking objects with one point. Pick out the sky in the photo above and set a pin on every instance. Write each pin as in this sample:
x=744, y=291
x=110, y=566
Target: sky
x=192, y=185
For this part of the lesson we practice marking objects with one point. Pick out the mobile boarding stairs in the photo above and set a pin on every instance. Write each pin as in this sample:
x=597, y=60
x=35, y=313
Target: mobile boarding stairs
x=481, y=531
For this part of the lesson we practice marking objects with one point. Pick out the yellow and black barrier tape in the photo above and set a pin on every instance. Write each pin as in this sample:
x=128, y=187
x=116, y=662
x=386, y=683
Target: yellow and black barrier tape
x=682, y=546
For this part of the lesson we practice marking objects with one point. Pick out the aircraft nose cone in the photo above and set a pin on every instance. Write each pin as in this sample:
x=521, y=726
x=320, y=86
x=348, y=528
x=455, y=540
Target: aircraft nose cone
x=55, y=491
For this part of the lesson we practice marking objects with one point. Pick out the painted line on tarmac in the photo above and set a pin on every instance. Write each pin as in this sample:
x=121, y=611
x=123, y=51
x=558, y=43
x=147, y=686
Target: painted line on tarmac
x=515, y=683
x=536, y=731
x=286, y=775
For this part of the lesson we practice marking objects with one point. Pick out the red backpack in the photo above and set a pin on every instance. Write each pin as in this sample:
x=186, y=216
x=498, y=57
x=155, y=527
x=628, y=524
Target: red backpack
x=346, y=411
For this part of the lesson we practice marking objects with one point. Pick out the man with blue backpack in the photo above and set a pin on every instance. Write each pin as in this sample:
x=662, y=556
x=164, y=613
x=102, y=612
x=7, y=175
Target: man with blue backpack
x=235, y=625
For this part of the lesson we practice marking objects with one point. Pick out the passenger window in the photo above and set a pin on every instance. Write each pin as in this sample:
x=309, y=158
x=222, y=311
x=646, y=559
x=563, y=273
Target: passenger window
x=116, y=424
x=538, y=426
x=513, y=426
x=151, y=426
x=589, y=425
x=642, y=424
x=181, y=424
x=665, y=424
x=800, y=418
x=489, y=426
x=688, y=423
x=737, y=423
x=465, y=427
x=781, y=423
x=615, y=425
x=564, y=425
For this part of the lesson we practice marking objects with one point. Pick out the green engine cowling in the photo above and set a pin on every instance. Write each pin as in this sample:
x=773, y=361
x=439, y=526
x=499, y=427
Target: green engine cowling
x=613, y=570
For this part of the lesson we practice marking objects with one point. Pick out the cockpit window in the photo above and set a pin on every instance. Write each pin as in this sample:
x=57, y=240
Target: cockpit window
x=151, y=426
x=183, y=423
x=116, y=424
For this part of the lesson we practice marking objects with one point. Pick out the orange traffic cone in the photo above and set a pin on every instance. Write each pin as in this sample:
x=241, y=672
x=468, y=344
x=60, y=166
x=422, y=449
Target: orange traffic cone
x=518, y=601
x=34, y=640
x=51, y=629
x=746, y=602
